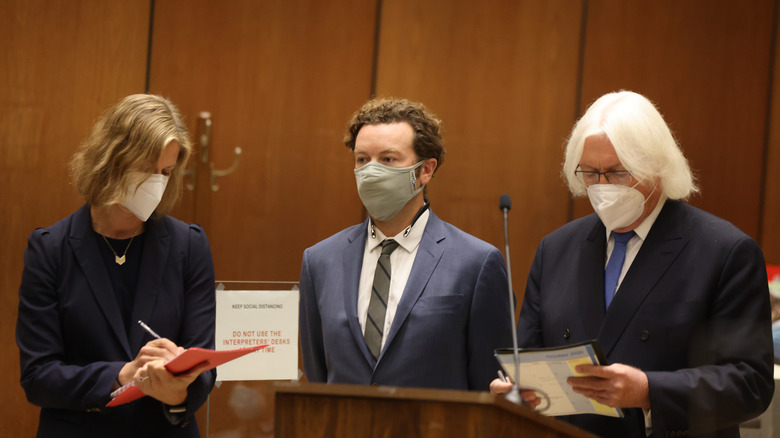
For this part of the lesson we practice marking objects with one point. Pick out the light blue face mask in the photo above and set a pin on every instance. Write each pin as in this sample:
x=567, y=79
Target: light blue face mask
x=385, y=190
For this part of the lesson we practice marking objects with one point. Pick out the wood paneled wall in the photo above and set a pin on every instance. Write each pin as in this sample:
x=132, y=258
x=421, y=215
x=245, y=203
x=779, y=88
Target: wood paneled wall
x=62, y=64
x=508, y=78
x=503, y=78
x=770, y=201
x=706, y=66
x=280, y=79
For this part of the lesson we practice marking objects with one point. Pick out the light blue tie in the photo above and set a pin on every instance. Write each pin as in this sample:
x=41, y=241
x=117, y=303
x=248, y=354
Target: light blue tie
x=615, y=265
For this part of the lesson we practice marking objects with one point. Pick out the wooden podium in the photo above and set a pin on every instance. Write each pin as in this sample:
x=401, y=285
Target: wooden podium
x=346, y=411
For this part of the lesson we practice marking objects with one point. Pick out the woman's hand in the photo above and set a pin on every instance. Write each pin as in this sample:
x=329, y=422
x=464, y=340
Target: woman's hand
x=157, y=382
x=158, y=349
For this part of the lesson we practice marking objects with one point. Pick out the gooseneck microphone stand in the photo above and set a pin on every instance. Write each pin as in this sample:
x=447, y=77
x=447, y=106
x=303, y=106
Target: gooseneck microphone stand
x=514, y=394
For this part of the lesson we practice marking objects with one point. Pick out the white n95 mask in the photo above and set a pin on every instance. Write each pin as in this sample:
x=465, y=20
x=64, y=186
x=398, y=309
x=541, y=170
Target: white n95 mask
x=141, y=199
x=617, y=206
x=385, y=190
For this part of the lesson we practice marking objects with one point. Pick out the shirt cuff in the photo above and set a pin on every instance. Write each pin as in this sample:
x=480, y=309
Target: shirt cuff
x=175, y=414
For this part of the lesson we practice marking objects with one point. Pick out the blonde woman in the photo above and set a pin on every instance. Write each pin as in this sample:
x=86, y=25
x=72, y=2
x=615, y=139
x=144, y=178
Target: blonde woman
x=89, y=278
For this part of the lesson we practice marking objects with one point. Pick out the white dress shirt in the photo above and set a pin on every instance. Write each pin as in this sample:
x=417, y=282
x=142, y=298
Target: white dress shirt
x=633, y=245
x=401, y=261
x=632, y=249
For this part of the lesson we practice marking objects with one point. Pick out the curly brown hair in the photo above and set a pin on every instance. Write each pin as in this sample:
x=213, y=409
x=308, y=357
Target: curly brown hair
x=428, y=141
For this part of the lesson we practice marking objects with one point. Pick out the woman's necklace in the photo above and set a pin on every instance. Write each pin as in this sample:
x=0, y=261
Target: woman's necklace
x=120, y=260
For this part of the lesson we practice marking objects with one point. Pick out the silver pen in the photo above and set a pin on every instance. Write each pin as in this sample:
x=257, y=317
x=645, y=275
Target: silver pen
x=148, y=329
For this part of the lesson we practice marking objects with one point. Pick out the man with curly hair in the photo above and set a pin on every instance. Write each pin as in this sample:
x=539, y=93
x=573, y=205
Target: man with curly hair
x=403, y=299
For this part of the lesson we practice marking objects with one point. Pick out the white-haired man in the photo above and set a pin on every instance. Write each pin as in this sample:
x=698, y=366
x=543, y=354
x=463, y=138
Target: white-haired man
x=677, y=297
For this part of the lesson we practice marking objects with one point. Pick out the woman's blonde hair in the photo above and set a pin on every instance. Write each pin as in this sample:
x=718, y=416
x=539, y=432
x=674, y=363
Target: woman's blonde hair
x=130, y=137
x=641, y=138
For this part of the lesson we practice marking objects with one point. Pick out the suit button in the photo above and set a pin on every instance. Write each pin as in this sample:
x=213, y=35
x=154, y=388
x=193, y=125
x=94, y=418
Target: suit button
x=566, y=334
x=644, y=335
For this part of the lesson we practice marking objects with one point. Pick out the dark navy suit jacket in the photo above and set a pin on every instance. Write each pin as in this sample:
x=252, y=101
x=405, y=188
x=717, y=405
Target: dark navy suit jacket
x=692, y=312
x=70, y=331
x=454, y=312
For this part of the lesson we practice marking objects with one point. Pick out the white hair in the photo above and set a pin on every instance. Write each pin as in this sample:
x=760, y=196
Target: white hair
x=642, y=140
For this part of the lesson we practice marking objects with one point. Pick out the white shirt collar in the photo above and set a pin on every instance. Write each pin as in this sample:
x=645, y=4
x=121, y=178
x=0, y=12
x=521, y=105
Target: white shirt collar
x=408, y=242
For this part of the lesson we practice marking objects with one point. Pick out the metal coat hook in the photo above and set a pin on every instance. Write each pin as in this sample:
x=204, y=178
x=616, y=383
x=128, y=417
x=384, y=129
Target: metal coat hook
x=191, y=174
x=203, y=133
x=220, y=173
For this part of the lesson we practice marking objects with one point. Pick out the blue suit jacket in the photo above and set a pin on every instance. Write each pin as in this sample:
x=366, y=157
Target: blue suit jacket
x=454, y=312
x=71, y=335
x=692, y=312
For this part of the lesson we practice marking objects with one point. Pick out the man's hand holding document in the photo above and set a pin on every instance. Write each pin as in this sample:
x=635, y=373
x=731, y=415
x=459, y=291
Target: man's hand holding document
x=546, y=370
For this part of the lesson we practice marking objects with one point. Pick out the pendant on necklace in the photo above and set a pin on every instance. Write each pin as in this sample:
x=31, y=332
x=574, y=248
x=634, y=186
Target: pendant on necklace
x=119, y=260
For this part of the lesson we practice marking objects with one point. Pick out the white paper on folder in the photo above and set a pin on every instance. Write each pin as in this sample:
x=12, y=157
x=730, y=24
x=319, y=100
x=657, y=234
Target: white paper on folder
x=246, y=318
x=546, y=371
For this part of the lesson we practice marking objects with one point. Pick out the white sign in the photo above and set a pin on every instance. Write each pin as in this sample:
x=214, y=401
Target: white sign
x=246, y=318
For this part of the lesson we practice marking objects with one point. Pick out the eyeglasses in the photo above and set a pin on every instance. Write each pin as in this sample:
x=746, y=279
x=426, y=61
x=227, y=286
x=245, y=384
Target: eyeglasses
x=589, y=177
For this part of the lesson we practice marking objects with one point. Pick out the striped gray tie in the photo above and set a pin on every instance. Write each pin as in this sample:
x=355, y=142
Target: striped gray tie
x=377, y=306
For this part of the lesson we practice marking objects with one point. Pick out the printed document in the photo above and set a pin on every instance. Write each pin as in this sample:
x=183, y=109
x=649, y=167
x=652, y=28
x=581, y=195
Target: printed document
x=545, y=371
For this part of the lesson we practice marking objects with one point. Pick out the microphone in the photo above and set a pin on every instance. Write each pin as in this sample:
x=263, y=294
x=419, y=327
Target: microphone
x=505, y=203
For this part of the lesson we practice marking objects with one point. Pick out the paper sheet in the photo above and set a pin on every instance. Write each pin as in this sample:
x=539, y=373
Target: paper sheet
x=545, y=370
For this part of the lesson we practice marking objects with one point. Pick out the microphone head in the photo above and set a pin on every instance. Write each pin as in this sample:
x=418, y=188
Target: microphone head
x=505, y=202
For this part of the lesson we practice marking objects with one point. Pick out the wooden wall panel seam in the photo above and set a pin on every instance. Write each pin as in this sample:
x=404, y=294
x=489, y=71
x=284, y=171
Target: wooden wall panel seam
x=377, y=36
x=578, y=92
x=767, y=126
x=147, y=79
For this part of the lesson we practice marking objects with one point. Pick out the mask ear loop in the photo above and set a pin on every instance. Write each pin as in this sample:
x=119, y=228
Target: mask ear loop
x=414, y=186
x=638, y=182
x=413, y=170
x=655, y=186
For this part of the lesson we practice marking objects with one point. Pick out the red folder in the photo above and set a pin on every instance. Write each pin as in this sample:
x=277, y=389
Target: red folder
x=181, y=364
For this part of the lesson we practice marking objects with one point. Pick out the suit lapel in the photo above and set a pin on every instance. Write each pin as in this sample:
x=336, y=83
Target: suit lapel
x=88, y=257
x=664, y=242
x=426, y=260
x=590, y=279
x=153, y=261
x=352, y=263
